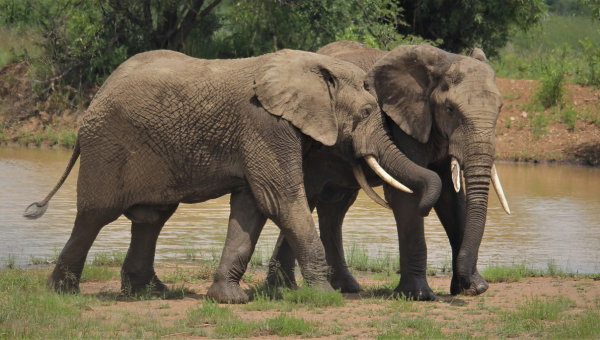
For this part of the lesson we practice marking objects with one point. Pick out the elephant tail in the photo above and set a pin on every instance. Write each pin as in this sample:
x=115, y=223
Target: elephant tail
x=37, y=209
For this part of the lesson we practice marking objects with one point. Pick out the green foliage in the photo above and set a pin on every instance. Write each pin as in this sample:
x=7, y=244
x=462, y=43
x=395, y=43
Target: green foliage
x=568, y=116
x=465, y=24
x=591, y=56
x=68, y=138
x=594, y=6
x=527, y=53
x=552, y=80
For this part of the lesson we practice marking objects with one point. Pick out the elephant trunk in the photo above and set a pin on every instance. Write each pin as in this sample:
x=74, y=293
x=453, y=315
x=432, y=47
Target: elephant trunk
x=372, y=138
x=478, y=163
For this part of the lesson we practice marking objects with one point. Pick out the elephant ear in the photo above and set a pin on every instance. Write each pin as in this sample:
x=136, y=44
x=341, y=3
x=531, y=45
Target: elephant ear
x=403, y=81
x=478, y=54
x=299, y=87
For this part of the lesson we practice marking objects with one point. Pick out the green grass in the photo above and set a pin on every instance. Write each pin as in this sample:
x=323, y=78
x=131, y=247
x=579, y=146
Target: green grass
x=68, y=138
x=229, y=325
x=501, y=273
x=190, y=251
x=516, y=272
x=526, y=55
x=98, y=273
x=358, y=258
x=532, y=316
x=582, y=326
x=114, y=258
x=264, y=297
x=209, y=313
x=401, y=327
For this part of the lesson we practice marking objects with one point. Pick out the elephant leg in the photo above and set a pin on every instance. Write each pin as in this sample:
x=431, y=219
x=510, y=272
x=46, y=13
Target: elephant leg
x=281, y=272
x=331, y=217
x=282, y=265
x=451, y=209
x=245, y=224
x=138, y=272
x=70, y=262
x=413, y=250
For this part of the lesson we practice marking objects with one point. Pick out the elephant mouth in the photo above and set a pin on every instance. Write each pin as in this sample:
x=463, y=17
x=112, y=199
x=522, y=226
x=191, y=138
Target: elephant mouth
x=364, y=184
x=457, y=181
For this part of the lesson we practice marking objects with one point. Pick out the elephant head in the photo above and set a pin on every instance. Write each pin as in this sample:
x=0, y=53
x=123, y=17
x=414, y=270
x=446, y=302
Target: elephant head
x=316, y=93
x=450, y=102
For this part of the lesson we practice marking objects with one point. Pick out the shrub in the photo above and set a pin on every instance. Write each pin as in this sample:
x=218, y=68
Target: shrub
x=591, y=56
x=552, y=80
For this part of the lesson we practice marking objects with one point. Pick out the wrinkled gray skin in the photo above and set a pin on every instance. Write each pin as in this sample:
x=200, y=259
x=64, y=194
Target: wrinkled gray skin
x=166, y=129
x=437, y=105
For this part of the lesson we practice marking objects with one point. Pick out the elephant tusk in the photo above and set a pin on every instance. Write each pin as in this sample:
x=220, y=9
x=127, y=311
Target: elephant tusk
x=384, y=175
x=362, y=181
x=499, y=191
x=456, y=178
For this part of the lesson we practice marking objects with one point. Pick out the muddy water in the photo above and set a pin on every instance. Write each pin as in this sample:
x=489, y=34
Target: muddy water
x=556, y=217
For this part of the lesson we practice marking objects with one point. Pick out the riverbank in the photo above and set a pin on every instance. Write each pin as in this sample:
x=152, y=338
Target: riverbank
x=525, y=132
x=551, y=306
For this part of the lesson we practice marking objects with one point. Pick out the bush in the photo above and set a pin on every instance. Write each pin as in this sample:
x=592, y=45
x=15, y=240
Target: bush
x=591, y=55
x=551, y=92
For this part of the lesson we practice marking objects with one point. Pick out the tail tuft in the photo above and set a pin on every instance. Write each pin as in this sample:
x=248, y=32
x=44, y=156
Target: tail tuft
x=34, y=211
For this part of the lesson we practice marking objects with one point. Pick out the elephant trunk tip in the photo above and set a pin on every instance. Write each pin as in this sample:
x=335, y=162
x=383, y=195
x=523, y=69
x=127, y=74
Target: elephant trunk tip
x=431, y=193
x=35, y=211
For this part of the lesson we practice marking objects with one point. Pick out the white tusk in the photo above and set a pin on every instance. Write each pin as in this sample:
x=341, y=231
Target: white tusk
x=362, y=181
x=499, y=191
x=384, y=175
x=456, y=178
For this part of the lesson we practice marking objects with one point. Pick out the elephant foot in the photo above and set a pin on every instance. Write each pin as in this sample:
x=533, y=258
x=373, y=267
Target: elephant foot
x=414, y=288
x=154, y=285
x=227, y=292
x=344, y=282
x=63, y=285
x=63, y=281
x=478, y=285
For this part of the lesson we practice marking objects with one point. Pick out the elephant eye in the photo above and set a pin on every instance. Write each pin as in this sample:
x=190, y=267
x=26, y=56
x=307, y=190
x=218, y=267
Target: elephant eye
x=366, y=85
x=450, y=110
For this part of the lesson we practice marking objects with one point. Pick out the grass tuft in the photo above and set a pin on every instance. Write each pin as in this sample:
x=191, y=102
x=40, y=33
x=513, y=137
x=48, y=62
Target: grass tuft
x=114, y=258
x=358, y=258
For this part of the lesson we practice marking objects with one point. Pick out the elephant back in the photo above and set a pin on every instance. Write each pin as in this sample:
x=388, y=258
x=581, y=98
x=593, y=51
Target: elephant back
x=358, y=54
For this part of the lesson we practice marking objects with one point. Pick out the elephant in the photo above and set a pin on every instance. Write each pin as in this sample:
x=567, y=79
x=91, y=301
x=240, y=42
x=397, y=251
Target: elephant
x=166, y=129
x=440, y=110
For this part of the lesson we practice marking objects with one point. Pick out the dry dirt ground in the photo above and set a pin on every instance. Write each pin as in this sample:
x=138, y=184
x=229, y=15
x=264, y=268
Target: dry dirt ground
x=368, y=316
x=514, y=132
x=24, y=112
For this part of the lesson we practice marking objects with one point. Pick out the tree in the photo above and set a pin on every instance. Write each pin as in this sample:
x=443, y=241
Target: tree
x=463, y=24
x=594, y=6
x=261, y=26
